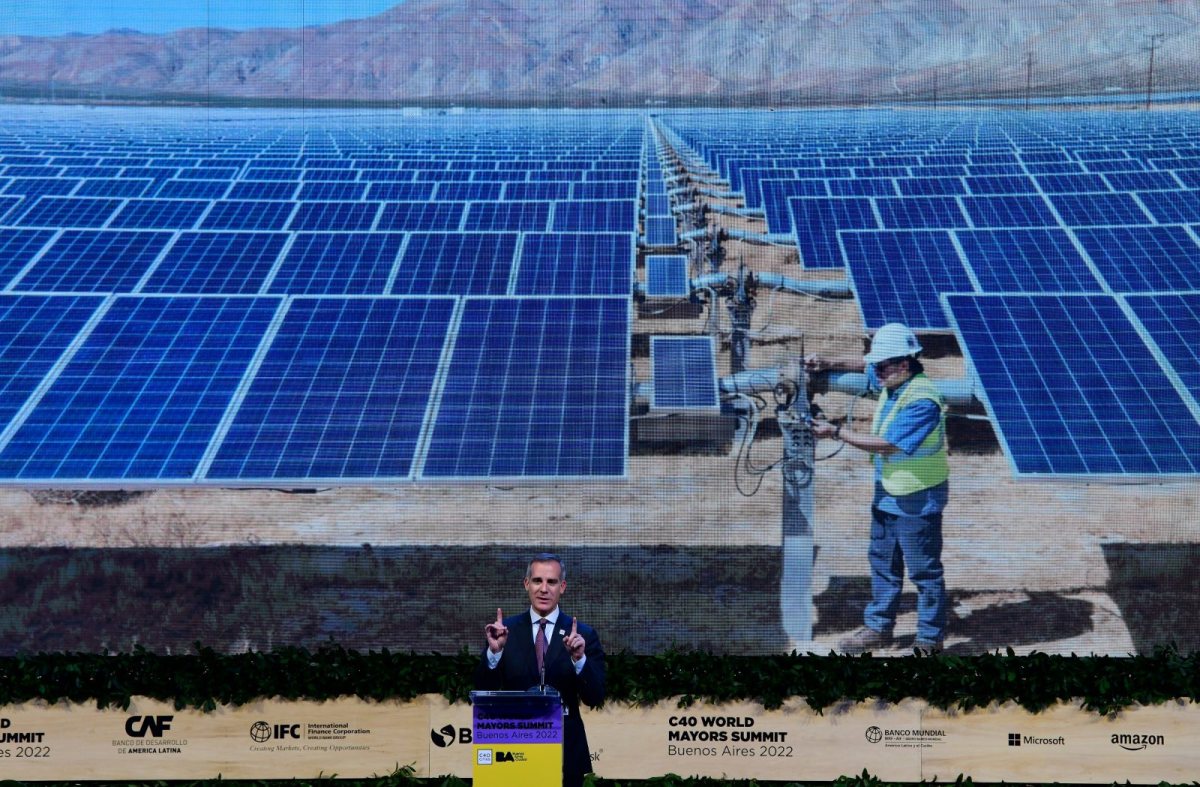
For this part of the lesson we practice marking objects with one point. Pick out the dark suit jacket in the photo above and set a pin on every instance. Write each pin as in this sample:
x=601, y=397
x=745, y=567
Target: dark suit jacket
x=518, y=671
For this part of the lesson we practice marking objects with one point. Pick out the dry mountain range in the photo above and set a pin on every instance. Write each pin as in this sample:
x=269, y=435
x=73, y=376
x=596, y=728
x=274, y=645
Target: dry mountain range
x=620, y=51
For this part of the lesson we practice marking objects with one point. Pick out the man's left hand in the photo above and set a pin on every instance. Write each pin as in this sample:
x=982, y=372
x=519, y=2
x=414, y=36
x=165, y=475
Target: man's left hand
x=823, y=428
x=574, y=641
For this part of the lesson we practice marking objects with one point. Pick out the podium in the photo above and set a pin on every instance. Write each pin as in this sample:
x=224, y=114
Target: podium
x=518, y=738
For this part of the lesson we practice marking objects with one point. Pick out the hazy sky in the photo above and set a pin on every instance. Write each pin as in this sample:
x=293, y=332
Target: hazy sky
x=56, y=17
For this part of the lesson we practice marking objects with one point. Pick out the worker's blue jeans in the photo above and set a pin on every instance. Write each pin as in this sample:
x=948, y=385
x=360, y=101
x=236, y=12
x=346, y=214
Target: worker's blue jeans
x=915, y=541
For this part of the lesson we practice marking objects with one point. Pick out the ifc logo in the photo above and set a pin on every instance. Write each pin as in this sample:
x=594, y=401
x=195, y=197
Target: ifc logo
x=874, y=735
x=260, y=731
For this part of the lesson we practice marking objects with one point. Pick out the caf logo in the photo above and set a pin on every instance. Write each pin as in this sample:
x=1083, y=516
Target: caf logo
x=874, y=734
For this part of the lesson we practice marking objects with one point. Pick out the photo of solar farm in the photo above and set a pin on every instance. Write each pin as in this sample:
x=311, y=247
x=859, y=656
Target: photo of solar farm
x=276, y=374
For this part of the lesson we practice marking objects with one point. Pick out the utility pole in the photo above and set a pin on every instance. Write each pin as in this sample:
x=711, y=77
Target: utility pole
x=1028, y=78
x=1154, y=39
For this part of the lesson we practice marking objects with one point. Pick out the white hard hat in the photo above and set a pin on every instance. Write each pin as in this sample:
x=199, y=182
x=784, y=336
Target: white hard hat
x=893, y=340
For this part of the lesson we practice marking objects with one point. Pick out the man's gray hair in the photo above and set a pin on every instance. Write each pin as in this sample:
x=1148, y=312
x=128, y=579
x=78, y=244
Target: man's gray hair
x=547, y=557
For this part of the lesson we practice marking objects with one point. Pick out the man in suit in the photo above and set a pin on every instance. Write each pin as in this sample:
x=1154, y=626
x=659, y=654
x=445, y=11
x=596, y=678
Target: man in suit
x=572, y=658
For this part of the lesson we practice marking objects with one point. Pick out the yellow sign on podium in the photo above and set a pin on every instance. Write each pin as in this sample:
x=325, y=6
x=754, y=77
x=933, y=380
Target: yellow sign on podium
x=517, y=738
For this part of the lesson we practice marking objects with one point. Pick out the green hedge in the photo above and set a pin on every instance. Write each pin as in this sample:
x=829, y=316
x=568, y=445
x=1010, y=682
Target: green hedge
x=205, y=679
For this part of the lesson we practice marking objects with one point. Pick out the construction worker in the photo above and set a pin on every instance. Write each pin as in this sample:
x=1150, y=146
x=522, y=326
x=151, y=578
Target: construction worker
x=907, y=443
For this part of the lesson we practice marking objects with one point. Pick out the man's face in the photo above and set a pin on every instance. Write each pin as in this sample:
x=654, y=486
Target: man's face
x=892, y=372
x=545, y=586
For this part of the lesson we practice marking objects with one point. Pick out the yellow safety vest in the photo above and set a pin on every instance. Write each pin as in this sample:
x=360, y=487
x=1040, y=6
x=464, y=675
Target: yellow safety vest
x=928, y=466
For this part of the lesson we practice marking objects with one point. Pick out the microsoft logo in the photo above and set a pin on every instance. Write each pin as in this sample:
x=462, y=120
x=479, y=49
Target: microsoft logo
x=1014, y=739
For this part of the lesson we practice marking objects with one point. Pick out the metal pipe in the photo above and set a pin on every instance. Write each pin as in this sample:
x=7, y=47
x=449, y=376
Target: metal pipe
x=766, y=239
x=694, y=234
x=749, y=381
x=821, y=289
x=720, y=194
x=751, y=213
x=708, y=281
x=957, y=393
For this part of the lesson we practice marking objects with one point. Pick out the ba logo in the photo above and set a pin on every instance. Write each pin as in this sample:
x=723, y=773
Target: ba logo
x=505, y=756
x=141, y=726
x=448, y=734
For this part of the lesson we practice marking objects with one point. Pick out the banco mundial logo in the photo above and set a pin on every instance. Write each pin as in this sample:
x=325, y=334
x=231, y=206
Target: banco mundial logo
x=874, y=734
x=260, y=732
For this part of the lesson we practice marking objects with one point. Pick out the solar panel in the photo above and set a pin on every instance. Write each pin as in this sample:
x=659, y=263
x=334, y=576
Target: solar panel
x=1172, y=207
x=35, y=330
x=335, y=216
x=1072, y=387
x=1084, y=210
x=1026, y=260
x=36, y=187
x=422, y=216
x=8, y=204
x=455, y=264
x=341, y=394
x=1010, y=210
x=167, y=214
x=95, y=261
x=1001, y=184
x=1144, y=259
x=920, y=213
x=684, y=370
x=192, y=189
x=550, y=190
x=861, y=187
x=262, y=190
x=72, y=212
x=399, y=192
x=141, y=398
x=615, y=189
x=658, y=205
x=338, y=263
x=248, y=215
x=332, y=191
x=1070, y=184
x=1173, y=322
x=1141, y=181
x=507, y=217
x=667, y=276
x=817, y=221
x=113, y=187
x=467, y=192
x=536, y=388
x=898, y=276
x=595, y=216
x=17, y=249
x=775, y=194
x=929, y=187
x=563, y=263
x=217, y=263
x=660, y=232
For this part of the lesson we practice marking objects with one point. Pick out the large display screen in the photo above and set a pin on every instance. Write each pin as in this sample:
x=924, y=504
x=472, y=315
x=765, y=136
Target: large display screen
x=319, y=319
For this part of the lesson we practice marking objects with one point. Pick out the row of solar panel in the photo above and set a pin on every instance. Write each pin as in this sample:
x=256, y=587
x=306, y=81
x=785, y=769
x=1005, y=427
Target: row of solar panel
x=898, y=276
x=143, y=390
x=167, y=187
x=1088, y=384
x=761, y=184
x=111, y=261
x=94, y=213
x=817, y=220
x=749, y=171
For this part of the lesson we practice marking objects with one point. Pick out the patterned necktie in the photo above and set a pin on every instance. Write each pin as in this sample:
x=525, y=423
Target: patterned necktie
x=539, y=645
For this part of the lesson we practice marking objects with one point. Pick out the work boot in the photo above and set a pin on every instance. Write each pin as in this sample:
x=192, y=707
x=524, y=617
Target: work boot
x=863, y=640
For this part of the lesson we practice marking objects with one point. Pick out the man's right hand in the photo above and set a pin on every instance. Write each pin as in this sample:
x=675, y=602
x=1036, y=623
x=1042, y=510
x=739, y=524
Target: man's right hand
x=497, y=633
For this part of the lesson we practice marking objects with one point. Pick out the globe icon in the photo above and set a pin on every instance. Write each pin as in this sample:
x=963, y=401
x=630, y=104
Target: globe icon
x=260, y=731
x=874, y=734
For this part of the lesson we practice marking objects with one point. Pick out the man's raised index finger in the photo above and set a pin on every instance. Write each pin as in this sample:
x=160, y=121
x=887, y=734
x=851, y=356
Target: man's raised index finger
x=574, y=626
x=499, y=617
